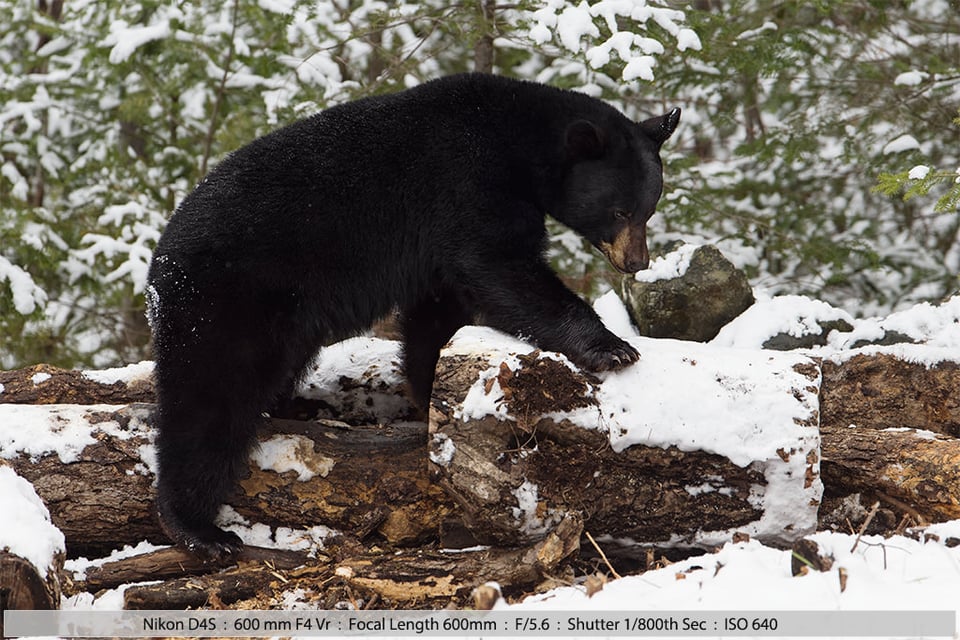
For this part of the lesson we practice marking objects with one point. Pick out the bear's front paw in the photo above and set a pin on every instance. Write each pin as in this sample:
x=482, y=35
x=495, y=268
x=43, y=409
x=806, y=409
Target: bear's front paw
x=608, y=355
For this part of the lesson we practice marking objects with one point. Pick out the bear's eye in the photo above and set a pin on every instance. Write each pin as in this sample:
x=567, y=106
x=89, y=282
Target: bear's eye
x=623, y=215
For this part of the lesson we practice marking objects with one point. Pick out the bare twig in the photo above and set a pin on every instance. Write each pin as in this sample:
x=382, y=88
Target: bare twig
x=602, y=555
x=866, y=523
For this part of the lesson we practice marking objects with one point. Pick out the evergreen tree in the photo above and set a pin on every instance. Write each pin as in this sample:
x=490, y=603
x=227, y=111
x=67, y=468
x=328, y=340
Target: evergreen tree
x=110, y=112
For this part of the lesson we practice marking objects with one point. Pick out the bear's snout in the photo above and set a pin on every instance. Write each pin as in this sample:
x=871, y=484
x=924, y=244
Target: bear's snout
x=628, y=251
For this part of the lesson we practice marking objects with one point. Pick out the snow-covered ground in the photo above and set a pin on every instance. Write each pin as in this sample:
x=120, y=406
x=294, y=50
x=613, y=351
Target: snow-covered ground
x=880, y=574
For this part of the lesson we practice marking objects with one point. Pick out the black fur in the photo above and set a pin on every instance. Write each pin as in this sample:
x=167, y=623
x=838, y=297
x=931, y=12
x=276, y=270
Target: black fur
x=432, y=201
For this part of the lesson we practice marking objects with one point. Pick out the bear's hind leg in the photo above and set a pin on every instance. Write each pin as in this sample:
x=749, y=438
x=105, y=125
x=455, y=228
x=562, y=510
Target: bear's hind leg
x=426, y=327
x=204, y=445
x=212, y=391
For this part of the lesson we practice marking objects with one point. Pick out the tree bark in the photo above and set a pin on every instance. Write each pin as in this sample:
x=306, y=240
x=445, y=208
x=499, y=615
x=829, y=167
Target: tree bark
x=882, y=391
x=173, y=562
x=911, y=473
x=45, y=384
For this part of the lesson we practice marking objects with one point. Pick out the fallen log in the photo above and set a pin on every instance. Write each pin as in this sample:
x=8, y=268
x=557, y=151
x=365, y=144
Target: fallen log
x=45, y=384
x=521, y=441
x=420, y=577
x=882, y=390
x=173, y=562
x=424, y=577
x=216, y=590
x=911, y=472
x=94, y=467
x=31, y=548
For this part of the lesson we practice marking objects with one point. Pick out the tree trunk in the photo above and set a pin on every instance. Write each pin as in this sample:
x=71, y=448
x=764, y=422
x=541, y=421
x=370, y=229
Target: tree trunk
x=882, y=391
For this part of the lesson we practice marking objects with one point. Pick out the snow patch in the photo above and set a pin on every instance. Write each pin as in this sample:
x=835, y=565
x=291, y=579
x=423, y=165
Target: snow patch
x=126, y=40
x=27, y=296
x=140, y=372
x=282, y=453
x=767, y=317
x=905, y=142
x=441, y=453
x=673, y=265
x=614, y=315
x=896, y=574
x=911, y=78
x=27, y=531
x=533, y=517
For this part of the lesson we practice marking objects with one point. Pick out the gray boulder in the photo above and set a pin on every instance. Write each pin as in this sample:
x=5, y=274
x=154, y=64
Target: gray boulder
x=688, y=294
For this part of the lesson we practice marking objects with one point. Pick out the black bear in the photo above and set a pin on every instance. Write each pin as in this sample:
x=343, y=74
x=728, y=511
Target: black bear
x=430, y=201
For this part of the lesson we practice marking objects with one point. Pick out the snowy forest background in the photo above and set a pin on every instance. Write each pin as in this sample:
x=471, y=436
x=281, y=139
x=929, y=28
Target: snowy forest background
x=819, y=145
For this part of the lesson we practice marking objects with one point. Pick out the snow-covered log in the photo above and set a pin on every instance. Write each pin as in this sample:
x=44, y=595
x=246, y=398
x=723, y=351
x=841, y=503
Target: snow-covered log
x=94, y=466
x=45, y=384
x=686, y=447
x=674, y=448
x=31, y=548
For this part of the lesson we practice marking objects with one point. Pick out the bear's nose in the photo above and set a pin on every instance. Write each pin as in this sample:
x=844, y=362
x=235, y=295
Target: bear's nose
x=636, y=264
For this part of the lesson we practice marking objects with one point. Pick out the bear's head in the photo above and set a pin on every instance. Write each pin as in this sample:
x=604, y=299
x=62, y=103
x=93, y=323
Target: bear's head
x=612, y=183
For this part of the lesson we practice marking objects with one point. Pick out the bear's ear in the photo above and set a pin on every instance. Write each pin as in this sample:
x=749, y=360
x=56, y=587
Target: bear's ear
x=584, y=141
x=661, y=127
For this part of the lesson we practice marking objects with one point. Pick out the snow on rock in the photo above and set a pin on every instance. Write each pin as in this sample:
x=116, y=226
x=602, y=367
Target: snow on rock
x=27, y=531
x=670, y=266
x=767, y=317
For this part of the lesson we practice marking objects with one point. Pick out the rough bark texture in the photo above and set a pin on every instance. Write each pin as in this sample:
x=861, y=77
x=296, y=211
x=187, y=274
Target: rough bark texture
x=44, y=384
x=23, y=586
x=426, y=576
x=173, y=562
x=378, y=479
x=882, y=391
x=103, y=498
x=908, y=471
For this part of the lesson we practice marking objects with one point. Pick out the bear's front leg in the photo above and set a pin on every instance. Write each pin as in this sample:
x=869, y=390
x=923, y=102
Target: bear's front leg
x=530, y=301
